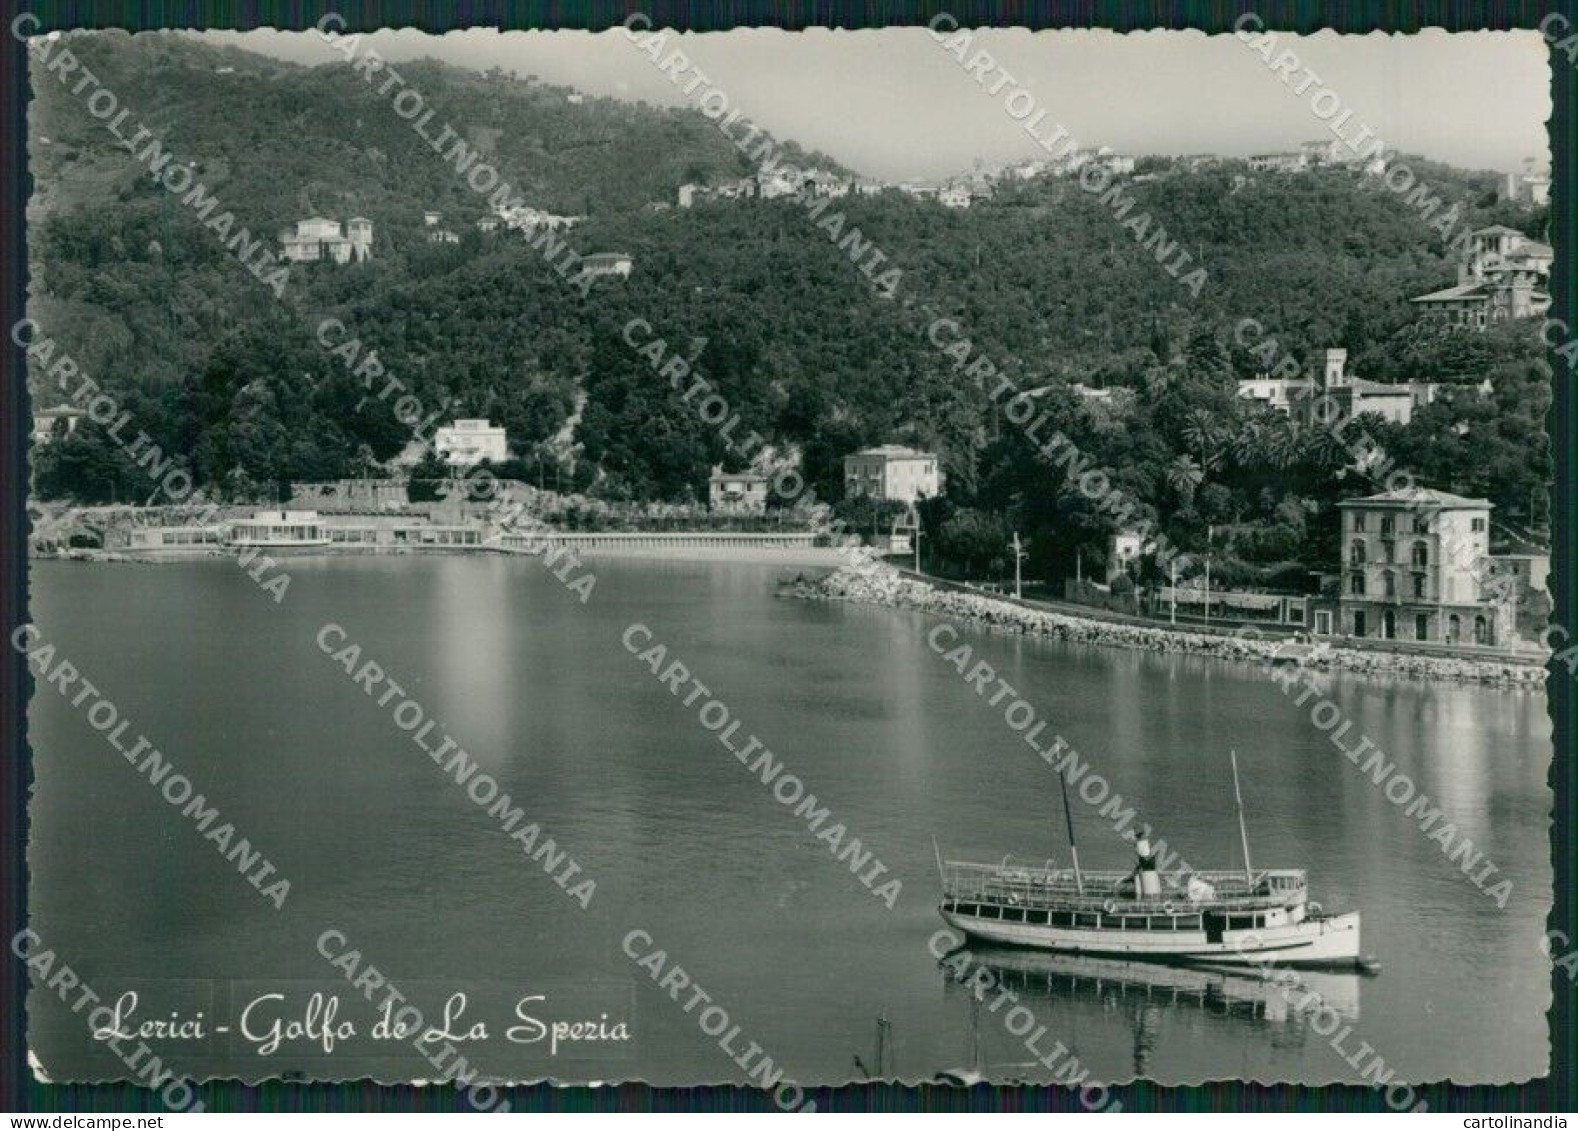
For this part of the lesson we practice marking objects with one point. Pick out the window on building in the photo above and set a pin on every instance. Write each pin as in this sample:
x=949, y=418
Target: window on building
x=1386, y=527
x=1421, y=524
x=1356, y=585
x=1356, y=552
x=1454, y=629
x=1477, y=525
x=1419, y=555
x=1419, y=585
x=1358, y=623
x=1389, y=583
x=1358, y=521
x=1481, y=631
x=1421, y=627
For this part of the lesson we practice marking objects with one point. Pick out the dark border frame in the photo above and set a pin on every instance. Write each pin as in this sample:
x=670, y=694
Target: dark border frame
x=18, y=1090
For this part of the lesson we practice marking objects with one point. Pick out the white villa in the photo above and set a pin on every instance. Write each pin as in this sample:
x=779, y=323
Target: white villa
x=47, y=421
x=892, y=472
x=468, y=442
x=318, y=239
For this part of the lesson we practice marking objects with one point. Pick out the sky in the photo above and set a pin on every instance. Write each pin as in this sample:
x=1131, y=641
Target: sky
x=894, y=104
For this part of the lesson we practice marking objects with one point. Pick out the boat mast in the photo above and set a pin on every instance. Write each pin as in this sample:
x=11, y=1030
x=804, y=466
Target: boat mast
x=1243, y=834
x=1073, y=849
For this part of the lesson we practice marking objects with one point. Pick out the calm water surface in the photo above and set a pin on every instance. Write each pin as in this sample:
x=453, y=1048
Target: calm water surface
x=686, y=845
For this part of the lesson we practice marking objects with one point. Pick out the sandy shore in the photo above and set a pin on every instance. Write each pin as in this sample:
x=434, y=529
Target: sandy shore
x=891, y=590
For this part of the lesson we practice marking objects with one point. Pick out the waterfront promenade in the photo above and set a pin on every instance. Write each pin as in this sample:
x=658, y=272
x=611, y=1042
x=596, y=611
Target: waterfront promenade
x=892, y=588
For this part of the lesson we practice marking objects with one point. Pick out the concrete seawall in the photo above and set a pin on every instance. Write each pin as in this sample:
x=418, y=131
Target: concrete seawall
x=891, y=590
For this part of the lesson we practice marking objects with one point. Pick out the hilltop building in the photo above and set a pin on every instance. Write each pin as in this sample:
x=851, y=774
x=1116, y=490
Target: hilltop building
x=1279, y=162
x=1533, y=189
x=779, y=181
x=819, y=182
x=1309, y=155
x=1502, y=280
x=318, y=238
x=892, y=472
x=524, y=218
x=468, y=442
x=1118, y=163
x=1415, y=568
x=955, y=196
x=1328, y=392
x=738, y=492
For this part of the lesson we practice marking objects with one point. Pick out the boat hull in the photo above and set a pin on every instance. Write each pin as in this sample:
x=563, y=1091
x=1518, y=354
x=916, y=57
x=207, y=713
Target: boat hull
x=1322, y=941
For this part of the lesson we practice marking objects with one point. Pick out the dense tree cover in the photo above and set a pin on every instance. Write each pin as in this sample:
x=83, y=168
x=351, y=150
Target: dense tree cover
x=760, y=302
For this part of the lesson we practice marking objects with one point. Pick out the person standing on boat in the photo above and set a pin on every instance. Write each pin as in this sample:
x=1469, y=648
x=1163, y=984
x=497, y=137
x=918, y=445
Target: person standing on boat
x=1147, y=883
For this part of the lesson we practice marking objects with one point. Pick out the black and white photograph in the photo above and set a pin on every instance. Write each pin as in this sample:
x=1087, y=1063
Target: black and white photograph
x=937, y=555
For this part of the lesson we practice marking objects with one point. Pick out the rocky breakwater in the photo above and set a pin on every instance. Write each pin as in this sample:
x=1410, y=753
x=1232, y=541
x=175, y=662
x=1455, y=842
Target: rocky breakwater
x=891, y=589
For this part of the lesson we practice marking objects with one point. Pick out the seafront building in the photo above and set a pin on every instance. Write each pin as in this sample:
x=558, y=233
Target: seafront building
x=1416, y=567
x=279, y=530
x=737, y=492
x=168, y=532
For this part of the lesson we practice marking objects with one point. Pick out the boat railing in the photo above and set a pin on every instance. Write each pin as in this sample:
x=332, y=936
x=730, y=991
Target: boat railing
x=1057, y=887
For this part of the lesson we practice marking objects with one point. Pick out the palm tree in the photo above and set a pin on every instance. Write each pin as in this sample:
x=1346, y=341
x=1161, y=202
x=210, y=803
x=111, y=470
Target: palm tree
x=1250, y=443
x=1200, y=431
x=1183, y=476
x=1283, y=445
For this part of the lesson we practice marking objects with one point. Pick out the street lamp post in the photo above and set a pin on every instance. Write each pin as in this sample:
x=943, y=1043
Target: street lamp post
x=1209, y=532
x=1019, y=556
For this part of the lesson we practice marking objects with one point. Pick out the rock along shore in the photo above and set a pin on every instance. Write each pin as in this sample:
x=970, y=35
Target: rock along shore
x=892, y=590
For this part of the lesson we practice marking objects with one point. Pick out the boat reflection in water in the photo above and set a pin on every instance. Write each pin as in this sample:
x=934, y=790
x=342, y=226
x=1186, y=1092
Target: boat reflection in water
x=1280, y=1003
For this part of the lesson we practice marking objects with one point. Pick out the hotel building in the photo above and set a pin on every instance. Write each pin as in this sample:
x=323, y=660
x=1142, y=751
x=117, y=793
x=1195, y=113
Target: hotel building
x=1414, y=567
